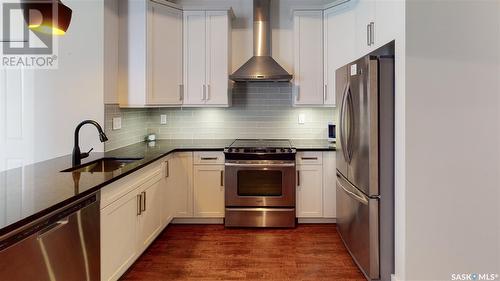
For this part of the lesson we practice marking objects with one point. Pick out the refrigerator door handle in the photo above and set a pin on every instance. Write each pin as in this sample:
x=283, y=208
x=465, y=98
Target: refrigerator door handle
x=342, y=123
x=352, y=192
x=349, y=141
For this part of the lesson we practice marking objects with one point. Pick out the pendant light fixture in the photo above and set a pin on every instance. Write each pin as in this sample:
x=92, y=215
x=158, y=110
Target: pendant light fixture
x=48, y=17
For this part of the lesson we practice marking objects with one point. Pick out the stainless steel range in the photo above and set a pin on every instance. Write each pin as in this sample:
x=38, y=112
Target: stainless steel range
x=260, y=183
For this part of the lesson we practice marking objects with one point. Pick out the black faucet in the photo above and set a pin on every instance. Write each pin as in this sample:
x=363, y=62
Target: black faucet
x=77, y=155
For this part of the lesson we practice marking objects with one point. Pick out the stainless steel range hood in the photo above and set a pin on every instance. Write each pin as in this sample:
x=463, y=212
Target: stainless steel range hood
x=261, y=67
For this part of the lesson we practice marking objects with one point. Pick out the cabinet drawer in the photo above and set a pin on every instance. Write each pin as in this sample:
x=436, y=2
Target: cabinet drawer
x=208, y=157
x=309, y=158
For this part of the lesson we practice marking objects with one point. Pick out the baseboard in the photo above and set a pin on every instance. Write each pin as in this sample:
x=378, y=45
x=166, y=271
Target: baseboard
x=221, y=221
x=316, y=220
x=198, y=221
x=394, y=278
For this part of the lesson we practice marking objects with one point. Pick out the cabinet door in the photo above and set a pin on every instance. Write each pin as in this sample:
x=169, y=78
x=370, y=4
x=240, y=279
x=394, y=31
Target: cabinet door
x=119, y=227
x=179, y=181
x=309, y=191
x=365, y=14
x=167, y=194
x=194, y=57
x=308, y=53
x=340, y=44
x=389, y=16
x=217, y=72
x=165, y=55
x=329, y=185
x=150, y=220
x=209, y=191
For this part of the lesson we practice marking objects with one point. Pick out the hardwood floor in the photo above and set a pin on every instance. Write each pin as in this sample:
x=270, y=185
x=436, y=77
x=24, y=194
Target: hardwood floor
x=211, y=252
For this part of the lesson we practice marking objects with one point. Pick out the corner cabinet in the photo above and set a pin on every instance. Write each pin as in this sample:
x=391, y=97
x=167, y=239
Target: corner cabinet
x=150, y=54
x=179, y=174
x=207, y=58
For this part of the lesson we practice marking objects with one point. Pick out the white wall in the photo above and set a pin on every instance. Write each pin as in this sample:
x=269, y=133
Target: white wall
x=42, y=107
x=452, y=138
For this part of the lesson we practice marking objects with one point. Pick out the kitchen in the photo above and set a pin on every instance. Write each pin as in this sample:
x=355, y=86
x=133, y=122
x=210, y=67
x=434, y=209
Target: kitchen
x=283, y=140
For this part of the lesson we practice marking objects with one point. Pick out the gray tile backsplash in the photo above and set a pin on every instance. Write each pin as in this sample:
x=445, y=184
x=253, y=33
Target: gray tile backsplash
x=134, y=126
x=259, y=110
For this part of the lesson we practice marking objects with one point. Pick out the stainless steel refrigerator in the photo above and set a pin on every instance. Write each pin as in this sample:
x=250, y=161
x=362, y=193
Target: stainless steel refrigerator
x=365, y=163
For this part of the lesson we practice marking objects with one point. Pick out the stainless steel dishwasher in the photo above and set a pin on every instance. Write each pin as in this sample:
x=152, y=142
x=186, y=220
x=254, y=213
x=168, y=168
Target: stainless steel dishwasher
x=63, y=245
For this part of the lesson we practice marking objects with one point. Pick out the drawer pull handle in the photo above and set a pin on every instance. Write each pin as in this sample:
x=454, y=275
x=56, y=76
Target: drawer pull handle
x=221, y=178
x=143, y=208
x=298, y=178
x=309, y=158
x=139, y=204
x=209, y=158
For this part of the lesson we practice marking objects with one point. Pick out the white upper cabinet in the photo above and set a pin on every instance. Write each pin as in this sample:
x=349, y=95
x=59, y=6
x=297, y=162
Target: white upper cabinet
x=389, y=15
x=206, y=58
x=194, y=57
x=309, y=88
x=376, y=23
x=340, y=44
x=150, y=54
x=218, y=54
x=365, y=24
x=165, y=55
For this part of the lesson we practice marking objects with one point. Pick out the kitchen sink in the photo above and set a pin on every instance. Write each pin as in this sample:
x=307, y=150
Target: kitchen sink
x=103, y=165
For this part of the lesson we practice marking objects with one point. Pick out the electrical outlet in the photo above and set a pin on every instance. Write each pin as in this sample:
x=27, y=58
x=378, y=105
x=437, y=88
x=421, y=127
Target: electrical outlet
x=163, y=119
x=302, y=118
x=117, y=123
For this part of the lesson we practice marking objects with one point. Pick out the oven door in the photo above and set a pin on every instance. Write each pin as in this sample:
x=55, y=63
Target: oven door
x=260, y=183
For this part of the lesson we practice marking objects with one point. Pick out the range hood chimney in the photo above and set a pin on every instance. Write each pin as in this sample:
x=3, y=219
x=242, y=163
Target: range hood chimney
x=261, y=67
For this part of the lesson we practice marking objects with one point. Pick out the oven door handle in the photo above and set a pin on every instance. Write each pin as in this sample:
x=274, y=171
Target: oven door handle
x=259, y=165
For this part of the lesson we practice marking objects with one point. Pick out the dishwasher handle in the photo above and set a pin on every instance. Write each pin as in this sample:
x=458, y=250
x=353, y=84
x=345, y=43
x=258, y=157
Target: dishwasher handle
x=51, y=228
x=48, y=223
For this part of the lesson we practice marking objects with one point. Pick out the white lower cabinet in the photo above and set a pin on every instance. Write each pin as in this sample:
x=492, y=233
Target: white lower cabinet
x=208, y=191
x=179, y=175
x=150, y=218
x=309, y=191
x=131, y=222
x=329, y=185
x=119, y=226
x=316, y=185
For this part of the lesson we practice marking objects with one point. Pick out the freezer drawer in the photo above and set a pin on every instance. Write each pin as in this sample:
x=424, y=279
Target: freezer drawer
x=358, y=225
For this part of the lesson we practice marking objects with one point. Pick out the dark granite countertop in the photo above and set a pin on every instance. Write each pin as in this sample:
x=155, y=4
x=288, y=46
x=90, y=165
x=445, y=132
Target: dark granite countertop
x=313, y=145
x=36, y=190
